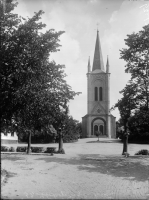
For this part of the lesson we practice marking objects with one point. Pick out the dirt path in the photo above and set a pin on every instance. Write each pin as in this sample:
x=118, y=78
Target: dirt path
x=81, y=173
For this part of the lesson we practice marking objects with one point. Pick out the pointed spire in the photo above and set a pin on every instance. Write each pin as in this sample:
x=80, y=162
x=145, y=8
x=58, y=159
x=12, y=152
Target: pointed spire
x=89, y=66
x=98, y=59
x=107, y=65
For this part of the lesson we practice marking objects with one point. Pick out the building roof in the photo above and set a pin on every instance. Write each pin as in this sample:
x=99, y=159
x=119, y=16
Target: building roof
x=98, y=59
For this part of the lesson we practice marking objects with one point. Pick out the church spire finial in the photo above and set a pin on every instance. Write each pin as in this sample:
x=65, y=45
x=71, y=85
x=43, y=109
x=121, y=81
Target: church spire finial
x=107, y=65
x=89, y=66
x=98, y=59
x=97, y=27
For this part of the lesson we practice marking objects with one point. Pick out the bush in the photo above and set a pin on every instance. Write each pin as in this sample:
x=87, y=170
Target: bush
x=4, y=148
x=12, y=149
x=142, y=152
x=50, y=150
x=21, y=149
x=70, y=138
x=38, y=149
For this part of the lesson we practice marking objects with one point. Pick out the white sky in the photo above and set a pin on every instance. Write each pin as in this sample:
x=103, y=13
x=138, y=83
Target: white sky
x=79, y=18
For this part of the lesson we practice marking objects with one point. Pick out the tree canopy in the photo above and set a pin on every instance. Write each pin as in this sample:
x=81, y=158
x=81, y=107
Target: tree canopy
x=33, y=88
x=134, y=104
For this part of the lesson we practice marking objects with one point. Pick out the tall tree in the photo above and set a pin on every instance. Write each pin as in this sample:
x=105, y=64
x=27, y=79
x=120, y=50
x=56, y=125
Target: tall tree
x=34, y=90
x=135, y=100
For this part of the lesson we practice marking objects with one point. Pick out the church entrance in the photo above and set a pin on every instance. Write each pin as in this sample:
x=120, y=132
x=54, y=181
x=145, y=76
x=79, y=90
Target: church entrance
x=98, y=125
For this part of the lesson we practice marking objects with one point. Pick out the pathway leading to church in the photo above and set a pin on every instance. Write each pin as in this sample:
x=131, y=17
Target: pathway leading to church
x=88, y=170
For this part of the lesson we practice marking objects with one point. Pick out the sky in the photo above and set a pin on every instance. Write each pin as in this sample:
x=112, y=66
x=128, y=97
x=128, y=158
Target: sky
x=115, y=19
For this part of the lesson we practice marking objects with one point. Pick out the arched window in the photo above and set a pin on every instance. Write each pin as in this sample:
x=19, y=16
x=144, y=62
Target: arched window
x=95, y=129
x=96, y=94
x=101, y=129
x=100, y=93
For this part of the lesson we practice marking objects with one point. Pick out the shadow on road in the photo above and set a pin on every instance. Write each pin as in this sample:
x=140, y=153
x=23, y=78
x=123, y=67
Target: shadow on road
x=11, y=157
x=128, y=168
x=108, y=141
x=134, y=168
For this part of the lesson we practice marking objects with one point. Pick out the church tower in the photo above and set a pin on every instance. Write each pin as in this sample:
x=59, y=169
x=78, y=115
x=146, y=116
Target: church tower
x=98, y=116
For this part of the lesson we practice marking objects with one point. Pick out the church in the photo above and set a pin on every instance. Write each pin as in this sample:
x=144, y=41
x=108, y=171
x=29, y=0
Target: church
x=98, y=117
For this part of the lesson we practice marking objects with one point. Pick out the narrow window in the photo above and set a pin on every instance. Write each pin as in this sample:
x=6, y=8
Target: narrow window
x=100, y=93
x=95, y=129
x=96, y=94
x=101, y=129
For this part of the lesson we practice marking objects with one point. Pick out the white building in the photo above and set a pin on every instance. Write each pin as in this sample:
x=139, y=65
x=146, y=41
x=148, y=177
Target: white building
x=98, y=116
x=9, y=138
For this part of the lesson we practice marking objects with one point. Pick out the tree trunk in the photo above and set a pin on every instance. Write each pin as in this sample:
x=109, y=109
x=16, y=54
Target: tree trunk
x=125, y=144
x=60, y=142
x=29, y=143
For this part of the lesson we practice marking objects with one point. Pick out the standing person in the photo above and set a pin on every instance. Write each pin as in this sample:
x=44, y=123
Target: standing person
x=98, y=133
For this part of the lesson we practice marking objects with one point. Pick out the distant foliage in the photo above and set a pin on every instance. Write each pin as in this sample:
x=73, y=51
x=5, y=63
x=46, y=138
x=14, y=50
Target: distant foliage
x=71, y=130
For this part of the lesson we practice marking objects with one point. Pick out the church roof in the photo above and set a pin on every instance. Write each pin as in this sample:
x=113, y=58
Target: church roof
x=98, y=59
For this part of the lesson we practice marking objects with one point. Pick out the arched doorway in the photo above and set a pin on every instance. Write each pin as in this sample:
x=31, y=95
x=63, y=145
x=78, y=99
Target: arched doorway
x=98, y=124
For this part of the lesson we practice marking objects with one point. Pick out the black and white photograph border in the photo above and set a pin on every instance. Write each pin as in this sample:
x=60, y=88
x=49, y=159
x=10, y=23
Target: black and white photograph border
x=74, y=99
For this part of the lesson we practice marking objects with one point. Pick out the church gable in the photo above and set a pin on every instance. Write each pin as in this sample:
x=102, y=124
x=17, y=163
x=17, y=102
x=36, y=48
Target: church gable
x=98, y=109
x=97, y=82
x=97, y=77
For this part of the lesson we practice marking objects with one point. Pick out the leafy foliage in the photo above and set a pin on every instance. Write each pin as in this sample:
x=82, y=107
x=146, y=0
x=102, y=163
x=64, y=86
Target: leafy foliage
x=33, y=89
x=134, y=105
x=139, y=126
x=71, y=130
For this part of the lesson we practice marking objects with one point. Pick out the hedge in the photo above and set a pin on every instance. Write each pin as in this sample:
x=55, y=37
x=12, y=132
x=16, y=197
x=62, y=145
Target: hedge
x=50, y=150
x=4, y=149
x=38, y=149
x=21, y=149
x=33, y=149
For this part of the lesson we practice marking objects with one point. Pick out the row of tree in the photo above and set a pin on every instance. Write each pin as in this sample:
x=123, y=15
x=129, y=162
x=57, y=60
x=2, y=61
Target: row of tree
x=34, y=93
x=134, y=104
